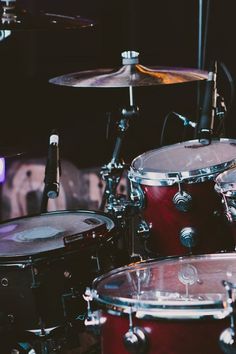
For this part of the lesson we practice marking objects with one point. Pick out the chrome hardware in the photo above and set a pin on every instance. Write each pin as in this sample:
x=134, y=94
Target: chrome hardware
x=130, y=57
x=8, y=15
x=182, y=201
x=135, y=339
x=137, y=195
x=188, y=275
x=143, y=230
x=188, y=237
x=227, y=338
x=4, y=282
x=92, y=320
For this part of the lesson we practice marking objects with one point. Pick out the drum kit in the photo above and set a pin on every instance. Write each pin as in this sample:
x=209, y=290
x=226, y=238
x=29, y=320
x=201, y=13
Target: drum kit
x=151, y=273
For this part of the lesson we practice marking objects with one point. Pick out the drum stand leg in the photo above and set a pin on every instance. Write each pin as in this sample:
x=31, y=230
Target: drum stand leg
x=112, y=173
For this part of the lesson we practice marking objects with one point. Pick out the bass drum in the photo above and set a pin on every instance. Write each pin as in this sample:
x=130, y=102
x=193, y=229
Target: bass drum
x=46, y=261
x=173, y=305
x=174, y=188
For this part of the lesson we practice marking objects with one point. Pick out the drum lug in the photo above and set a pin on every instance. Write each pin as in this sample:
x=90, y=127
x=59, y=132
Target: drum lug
x=135, y=340
x=183, y=201
x=188, y=237
x=137, y=195
x=143, y=230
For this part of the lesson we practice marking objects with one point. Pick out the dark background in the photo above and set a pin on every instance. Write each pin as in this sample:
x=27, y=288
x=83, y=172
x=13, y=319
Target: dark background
x=164, y=32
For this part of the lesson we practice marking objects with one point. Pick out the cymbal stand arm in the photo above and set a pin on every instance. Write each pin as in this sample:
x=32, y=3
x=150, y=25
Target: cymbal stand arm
x=112, y=172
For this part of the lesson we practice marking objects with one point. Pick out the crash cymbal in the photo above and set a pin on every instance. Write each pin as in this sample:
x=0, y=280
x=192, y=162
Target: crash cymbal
x=14, y=18
x=130, y=74
x=9, y=152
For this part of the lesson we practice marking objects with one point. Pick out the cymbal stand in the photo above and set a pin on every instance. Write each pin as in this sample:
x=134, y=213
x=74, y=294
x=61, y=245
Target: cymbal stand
x=122, y=209
x=111, y=173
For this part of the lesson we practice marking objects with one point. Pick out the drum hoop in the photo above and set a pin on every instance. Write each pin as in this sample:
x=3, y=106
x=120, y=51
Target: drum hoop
x=22, y=261
x=170, y=314
x=227, y=188
x=153, y=178
x=216, y=309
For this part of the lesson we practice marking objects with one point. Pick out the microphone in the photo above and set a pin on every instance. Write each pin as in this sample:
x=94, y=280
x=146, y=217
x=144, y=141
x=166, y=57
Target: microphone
x=185, y=120
x=53, y=168
x=206, y=123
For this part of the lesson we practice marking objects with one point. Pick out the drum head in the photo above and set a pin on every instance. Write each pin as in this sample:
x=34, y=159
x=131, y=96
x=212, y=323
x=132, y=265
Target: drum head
x=175, y=287
x=188, y=160
x=226, y=182
x=33, y=235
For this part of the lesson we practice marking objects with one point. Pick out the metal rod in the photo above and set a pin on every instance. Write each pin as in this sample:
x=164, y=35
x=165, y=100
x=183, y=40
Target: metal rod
x=131, y=96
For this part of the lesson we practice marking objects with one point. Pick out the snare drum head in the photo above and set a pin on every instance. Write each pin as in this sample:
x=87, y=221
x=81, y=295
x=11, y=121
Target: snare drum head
x=183, y=160
x=184, y=286
x=33, y=235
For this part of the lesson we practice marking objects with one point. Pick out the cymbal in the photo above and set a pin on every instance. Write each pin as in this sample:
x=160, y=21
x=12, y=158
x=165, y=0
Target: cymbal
x=9, y=152
x=14, y=18
x=130, y=74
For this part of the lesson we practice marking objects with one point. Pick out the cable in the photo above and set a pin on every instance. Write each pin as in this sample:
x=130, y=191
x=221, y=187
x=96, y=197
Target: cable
x=164, y=127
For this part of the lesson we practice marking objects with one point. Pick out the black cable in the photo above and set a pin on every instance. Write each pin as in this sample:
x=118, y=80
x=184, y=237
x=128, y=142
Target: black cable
x=205, y=35
x=231, y=84
x=164, y=127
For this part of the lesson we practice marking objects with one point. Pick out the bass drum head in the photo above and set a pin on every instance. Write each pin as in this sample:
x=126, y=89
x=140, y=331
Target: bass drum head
x=184, y=287
x=44, y=233
x=185, y=160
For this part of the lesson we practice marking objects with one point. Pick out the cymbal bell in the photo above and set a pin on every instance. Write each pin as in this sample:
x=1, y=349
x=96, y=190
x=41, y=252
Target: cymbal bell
x=130, y=74
x=14, y=18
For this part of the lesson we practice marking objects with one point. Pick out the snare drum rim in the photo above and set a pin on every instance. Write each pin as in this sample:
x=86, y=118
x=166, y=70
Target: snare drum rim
x=24, y=260
x=151, y=309
x=170, y=178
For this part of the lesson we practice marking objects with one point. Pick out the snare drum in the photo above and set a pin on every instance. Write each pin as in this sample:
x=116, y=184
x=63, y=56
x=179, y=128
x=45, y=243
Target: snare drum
x=174, y=187
x=174, y=305
x=45, y=263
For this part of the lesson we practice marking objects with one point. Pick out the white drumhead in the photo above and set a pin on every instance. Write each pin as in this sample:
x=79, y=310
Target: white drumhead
x=32, y=235
x=186, y=161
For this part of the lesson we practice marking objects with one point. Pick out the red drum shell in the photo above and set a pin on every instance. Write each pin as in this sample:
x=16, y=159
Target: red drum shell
x=165, y=336
x=166, y=221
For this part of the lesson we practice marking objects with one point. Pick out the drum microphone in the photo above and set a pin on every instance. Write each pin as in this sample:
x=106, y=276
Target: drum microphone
x=53, y=168
x=206, y=123
x=186, y=121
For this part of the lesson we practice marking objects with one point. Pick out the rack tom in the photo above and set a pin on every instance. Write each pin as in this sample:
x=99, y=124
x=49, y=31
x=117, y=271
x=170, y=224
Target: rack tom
x=174, y=188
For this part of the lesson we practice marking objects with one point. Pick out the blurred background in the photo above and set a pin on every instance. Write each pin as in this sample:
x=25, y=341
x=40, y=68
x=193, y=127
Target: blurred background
x=165, y=33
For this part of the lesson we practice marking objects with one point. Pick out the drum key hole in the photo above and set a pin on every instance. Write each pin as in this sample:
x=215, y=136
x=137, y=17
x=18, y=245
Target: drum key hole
x=4, y=282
